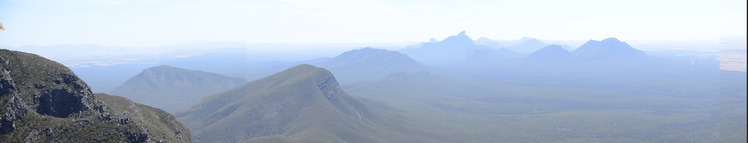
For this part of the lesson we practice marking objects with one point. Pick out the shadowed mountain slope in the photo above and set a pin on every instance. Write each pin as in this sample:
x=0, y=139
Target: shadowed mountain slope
x=44, y=101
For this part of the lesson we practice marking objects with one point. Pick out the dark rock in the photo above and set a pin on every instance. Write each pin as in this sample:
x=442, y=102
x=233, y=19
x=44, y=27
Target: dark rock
x=124, y=121
x=70, y=79
x=7, y=121
x=48, y=131
x=6, y=83
x=137, y=137
x=59, y=103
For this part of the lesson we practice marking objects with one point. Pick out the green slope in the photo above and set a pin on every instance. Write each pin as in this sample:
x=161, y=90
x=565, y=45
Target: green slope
x=301, y=104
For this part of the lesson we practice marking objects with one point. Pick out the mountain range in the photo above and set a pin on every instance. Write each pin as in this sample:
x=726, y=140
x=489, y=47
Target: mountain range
x=448, y=51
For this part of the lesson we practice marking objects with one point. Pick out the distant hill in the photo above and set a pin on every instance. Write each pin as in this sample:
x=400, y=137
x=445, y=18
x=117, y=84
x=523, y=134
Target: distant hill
x=491, y=43
x=367, y=64
x=551, y=53
x=301, y=104
x=527, y=45
x=44, y=101
x=172, y=89
x=610, y=48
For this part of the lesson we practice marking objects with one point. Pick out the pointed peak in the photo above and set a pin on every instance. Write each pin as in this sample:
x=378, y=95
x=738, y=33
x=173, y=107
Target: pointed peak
x=461, y=37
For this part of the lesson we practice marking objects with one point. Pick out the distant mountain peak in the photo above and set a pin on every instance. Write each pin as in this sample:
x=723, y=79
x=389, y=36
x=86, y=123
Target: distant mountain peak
x=308, y=67
x=173, y=88
x=528, y=45
x=369, y=49
x=369, y=64
x=305, y=71
x=530, y=40
x=459, y=38
x=162, y=67
x=606, y=49
x=550, y=52
x=553, y=48
x=611, y=39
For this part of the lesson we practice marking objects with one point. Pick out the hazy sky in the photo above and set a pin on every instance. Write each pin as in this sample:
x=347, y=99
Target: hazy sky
x=161, y=22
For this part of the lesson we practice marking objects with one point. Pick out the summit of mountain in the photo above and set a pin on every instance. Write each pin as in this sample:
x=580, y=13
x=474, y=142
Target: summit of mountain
x=609, y=48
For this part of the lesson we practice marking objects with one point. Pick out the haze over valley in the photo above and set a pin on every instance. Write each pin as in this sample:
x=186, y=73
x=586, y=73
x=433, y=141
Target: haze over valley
x=372, y=71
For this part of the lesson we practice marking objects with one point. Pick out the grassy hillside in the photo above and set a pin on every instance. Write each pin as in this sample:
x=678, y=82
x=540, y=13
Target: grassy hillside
x=301, y=104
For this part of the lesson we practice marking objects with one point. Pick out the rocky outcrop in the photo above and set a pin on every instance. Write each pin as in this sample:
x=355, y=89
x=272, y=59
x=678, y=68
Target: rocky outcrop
x=44, y=101
x=50, y=102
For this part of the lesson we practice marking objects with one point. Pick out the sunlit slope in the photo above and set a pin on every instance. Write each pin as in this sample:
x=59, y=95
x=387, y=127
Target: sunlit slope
x=301, y=104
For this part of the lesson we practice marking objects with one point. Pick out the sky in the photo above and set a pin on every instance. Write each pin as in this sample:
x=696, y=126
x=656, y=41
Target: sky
x=147, y=23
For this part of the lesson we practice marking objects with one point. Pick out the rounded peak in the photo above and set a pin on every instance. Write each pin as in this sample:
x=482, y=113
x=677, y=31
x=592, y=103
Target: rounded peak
x=163, y=68
x=552, y=49
x=611, y=39
x=530, y=40
x=306, y=68
x=369, y=49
